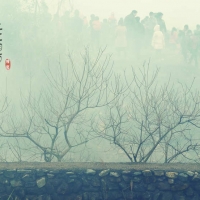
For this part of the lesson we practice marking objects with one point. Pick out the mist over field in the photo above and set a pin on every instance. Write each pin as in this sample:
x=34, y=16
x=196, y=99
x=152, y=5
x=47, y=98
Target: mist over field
x=176, y=13
x=119, y=86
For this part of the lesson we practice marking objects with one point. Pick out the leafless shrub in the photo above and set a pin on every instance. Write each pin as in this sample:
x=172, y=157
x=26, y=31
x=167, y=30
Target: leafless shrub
x=59, y=119
x=152, y=122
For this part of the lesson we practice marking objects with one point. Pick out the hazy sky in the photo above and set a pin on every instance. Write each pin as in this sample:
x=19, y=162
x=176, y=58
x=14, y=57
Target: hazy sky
x=176, y=12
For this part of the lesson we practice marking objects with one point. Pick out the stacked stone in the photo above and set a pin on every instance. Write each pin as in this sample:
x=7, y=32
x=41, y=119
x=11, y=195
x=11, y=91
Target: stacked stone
x=92, y=184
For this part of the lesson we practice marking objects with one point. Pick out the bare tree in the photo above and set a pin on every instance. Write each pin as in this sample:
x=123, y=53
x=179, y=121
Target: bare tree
x=59, y=119
x=152, y=122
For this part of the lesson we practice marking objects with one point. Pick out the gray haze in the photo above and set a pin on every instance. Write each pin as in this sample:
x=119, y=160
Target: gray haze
x=35, y=46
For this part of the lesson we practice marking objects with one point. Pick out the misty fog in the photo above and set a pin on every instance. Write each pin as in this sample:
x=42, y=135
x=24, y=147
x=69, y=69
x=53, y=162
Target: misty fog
x=94, y=81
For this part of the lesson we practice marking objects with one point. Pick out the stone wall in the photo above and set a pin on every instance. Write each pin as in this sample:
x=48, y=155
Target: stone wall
x=99, y=184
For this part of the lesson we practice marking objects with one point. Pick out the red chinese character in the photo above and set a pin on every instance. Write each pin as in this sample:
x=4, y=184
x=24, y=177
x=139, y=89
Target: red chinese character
x=7, y=64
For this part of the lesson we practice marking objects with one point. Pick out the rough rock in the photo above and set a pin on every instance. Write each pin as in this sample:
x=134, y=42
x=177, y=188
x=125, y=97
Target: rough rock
x=41, y=182
x=104, y=172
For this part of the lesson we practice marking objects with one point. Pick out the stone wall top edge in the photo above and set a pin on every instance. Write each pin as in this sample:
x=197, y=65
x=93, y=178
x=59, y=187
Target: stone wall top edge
x=99, y=166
